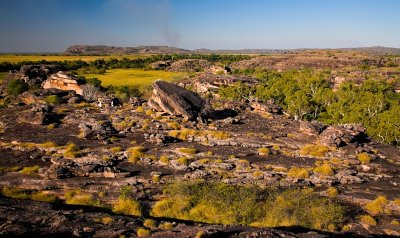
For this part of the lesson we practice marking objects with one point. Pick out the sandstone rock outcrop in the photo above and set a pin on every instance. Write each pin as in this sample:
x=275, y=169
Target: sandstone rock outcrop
x=63, y=81
x=339, y=135
x=36, y=74
x=175, y=100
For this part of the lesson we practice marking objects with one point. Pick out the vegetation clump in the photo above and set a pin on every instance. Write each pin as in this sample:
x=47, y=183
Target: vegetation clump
x=324, y=169
x=76, y=197
x=226, y=204
x=364, y=158
x=314, y=150
x=187, y=151
x=30, y=169
x=71, y=151
x=299, y=173
x=377, y=206
x=127, y=205
x=135, y=153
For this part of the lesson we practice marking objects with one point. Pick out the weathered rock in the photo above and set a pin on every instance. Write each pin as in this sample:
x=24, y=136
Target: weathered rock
x=63, y=81
x=340, y=135
x=178, y=101
x=160, y=65
x=36, y=74
x=312, y=127
x=266, y=107
x=106, y=102
x=94, y=129
x=38, y=115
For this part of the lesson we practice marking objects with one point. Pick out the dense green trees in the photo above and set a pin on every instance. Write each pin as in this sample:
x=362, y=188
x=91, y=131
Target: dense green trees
x=306, y=94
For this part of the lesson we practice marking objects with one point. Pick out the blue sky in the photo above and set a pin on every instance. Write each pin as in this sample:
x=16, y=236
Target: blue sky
x=53, y=25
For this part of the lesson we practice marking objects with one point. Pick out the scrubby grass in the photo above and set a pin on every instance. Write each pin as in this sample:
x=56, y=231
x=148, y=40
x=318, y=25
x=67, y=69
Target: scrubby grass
x=263, y=151
x=324, y=169
x=44, y=197
x=134, y=77
x=30, y=169
x=364, y=158
x=332, y=192
x=226, y=204
x=299, y=173
x=187, y=151
x=127, y=205
x=143, y=232
x=377, y=206
x=135, y=153
x=150, y=223
x=15, y=193
x=368, y=220
x=314, y=150
x=76, y=197
x=71, y=151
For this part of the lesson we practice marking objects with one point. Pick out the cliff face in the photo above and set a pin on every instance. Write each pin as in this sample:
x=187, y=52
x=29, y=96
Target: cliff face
x=63, y=81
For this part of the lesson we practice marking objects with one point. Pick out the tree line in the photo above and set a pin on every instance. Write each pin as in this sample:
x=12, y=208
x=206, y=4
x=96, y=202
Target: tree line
x=308, y=95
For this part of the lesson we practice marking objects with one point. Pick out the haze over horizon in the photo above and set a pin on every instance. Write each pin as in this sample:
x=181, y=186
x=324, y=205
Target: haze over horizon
x=54, y=25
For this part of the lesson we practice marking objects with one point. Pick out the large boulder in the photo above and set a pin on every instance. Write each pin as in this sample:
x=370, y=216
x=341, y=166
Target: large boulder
x=63, y=81
x=38, y=115
x=175, y=100
x=36, y=74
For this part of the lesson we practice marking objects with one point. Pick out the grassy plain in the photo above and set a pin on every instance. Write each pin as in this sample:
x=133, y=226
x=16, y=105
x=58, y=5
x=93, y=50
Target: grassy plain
x=19, y=58
x=134, y=77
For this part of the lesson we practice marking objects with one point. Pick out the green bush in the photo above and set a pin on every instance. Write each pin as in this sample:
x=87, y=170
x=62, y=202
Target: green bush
x=15, y=87
x=52, y=99
x=226, y=204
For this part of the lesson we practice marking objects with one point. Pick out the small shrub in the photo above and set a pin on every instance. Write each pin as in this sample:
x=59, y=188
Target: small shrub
x=397, y=201
x=15, y=87
x=106, y=220
x=183, y=160
x=143, y=232
x=325, y=169
x=164, y=159
x=127, y=206
x=364, y=158
x=166, y=225
x=30, y=170
x=149, y=112
x=150, y=223
x=188, y=151
x=263, y=151
x=377, y=206
x=14, y=193
x=44, y=197
x=76, y=197
x=368, y=220
x=299, y=173
x=116, y=149
x=52, y=99
x=314, y=150
x=139, y=109
x=71, y=151
x=135, y=153
x=332, y=192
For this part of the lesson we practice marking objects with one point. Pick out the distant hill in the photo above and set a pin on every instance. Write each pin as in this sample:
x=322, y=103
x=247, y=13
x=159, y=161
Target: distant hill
x=112, y=50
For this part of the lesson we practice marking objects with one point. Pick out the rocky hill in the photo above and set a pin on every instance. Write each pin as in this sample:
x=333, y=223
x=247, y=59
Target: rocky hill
x=109, y=50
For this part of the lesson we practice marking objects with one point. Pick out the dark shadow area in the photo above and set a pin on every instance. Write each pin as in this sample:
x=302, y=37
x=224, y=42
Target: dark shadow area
x=223, y=114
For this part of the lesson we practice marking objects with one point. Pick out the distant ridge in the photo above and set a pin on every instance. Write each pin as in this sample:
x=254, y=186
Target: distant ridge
x=111, y=50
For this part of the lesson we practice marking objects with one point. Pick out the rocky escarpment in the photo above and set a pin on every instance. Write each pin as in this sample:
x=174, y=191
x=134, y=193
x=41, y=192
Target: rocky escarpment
x=178, y=101
x=63, y=81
